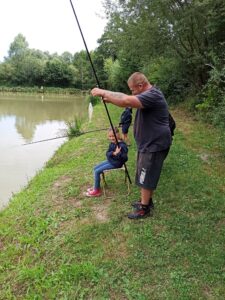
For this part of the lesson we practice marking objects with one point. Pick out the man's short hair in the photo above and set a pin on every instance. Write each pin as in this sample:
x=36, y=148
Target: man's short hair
x=137, y=78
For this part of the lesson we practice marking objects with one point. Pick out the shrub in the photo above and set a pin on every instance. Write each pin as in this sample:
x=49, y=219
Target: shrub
x=212, y=104
x=167, y=74
x=74, y=127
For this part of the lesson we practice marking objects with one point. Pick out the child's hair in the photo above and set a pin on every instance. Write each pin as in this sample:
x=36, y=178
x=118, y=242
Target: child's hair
x=116, y=129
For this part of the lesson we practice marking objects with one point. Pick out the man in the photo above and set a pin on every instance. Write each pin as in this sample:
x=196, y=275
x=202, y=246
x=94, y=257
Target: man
x=151, y=132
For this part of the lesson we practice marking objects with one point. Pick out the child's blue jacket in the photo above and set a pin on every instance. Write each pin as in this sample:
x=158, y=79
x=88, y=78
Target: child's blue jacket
x=119, y=159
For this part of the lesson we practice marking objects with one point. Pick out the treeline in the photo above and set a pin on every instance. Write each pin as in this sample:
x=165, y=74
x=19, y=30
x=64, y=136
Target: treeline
x=178, y=44
x=25, y=67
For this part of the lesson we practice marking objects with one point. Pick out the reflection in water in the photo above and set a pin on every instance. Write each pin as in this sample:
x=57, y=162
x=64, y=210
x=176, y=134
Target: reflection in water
x=25, y=119
x=30, y=111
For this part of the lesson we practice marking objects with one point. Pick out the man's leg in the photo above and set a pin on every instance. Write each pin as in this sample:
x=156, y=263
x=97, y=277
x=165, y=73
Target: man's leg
x=145, y=199
x=149, y=166
x=146, y=195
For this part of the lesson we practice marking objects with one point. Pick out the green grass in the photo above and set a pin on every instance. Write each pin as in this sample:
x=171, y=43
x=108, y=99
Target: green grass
x=57, y=244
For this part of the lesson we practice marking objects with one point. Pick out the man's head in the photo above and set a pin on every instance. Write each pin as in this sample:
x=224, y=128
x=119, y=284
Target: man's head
x=138, y=83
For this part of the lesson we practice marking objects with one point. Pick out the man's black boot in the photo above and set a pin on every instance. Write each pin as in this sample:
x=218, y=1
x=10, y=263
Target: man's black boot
x=137, y=203
x=141, y=211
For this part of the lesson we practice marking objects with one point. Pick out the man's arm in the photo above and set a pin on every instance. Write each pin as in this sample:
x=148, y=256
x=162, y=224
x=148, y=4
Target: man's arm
x=116, y=98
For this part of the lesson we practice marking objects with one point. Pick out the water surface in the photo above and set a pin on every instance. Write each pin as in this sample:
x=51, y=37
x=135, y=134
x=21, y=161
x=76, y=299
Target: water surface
x=25, y=119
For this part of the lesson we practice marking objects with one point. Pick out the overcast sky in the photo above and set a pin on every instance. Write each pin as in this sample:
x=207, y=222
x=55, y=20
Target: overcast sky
x=49, y=25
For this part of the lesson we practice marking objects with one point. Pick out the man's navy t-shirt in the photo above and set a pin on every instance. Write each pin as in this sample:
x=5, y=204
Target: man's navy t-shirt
x=151, y=124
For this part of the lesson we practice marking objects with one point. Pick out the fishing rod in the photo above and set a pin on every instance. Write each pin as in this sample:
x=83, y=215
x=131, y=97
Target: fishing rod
x=97, y=81
x=66, y=136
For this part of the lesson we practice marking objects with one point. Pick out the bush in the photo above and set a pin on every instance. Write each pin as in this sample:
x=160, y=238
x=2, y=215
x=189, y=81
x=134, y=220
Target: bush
x=167, y=74
x=219, y=114
x=212, y=104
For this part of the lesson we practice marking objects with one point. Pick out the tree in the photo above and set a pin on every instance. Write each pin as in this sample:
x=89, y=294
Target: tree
x=184, y=30
x=6, y=73
x=85, y=79
x=57, y=73
x=18, y=47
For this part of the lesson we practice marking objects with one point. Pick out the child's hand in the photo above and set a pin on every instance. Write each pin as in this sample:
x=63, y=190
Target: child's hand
x=117, y=150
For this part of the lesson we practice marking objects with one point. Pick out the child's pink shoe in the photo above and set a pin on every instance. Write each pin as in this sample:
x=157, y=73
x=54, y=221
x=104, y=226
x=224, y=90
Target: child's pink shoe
x=94, y=193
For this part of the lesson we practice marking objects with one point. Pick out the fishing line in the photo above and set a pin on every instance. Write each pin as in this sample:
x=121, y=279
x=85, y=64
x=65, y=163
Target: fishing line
x=97, y=81
x=66, y=136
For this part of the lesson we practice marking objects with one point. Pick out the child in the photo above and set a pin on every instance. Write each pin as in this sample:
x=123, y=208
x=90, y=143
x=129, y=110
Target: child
x=125, y=121
x=116, y=156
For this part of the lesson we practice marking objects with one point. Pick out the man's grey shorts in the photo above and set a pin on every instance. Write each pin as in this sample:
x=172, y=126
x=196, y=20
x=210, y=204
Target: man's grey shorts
x=149, y=167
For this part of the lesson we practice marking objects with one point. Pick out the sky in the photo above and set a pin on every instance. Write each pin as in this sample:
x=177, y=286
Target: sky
x=50, y=25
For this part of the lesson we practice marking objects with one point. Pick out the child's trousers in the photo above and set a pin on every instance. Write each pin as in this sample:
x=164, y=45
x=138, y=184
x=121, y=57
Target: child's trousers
x=105, y=165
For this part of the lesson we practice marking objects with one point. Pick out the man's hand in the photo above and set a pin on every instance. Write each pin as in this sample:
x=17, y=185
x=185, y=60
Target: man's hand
x=97, y=92
x=116, y=98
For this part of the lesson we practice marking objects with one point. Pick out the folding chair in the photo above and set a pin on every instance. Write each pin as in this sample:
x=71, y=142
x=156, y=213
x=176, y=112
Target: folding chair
x=126, y=179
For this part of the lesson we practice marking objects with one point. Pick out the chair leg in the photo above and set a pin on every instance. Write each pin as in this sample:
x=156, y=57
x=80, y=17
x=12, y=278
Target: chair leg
x=128, y=188
x=104, y=184
x=103, y=178
x=127, y=183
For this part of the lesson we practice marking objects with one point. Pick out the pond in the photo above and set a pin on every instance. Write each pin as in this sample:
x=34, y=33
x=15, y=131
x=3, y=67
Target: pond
x=25, y=119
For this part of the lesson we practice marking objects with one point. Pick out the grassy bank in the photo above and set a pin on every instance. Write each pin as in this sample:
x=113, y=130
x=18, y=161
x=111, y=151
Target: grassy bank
x=57, y=244
x=39, y=90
